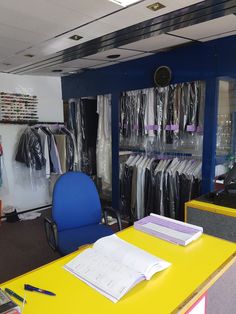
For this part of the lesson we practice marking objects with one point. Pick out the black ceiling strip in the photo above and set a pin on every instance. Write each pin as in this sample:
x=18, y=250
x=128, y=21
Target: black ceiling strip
x=147, y=29
x=77, y=50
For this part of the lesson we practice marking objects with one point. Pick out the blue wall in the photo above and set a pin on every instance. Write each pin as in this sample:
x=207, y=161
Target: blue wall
x=198, y=61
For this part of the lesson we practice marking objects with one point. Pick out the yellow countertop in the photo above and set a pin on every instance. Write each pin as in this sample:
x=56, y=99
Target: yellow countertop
x=211, y=208
x=194, y=269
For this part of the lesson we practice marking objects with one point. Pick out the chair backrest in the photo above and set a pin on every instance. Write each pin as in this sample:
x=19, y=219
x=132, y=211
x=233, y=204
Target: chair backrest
x=75, y=202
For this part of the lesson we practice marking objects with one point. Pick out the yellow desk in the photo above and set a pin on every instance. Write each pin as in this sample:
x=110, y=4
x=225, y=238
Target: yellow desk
x=194, y=269
x=216, y=220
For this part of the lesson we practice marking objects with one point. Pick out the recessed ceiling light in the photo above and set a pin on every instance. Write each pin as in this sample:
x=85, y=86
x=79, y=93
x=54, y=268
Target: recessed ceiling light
x=124, y=3
x=113, y=56
x=57, y=71
x=75, y=37
x=29, y=55
x=156, y=6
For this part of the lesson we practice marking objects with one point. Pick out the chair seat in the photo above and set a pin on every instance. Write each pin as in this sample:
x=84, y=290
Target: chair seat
x=71, y=239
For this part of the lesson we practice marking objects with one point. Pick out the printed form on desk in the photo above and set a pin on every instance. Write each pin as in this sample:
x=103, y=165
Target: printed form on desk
x=113, y=266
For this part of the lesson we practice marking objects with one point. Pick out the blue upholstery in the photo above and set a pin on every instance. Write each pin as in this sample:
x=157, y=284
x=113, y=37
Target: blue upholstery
x=69, y=240
x=76, y=211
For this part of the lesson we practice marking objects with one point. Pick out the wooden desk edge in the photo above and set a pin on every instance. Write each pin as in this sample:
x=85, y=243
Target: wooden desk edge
x=183, y=307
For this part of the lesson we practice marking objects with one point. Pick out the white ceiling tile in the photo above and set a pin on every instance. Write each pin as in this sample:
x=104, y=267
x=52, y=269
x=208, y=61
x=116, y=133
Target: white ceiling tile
x=104, y=65
x=81, y=63
x=142, y=55
x=186, y=3
x=44, y=73
x=218, y=36
x=55, y=45
x=156, y=43
x=95, y=30
x=14, y=33
x=16, y=61
x=92, y=8
x=122, y=52
x=210, y=28
x=41, y=16
x=9, y=47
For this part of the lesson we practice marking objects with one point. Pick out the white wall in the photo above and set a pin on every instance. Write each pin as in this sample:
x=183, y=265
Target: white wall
x=20, y=192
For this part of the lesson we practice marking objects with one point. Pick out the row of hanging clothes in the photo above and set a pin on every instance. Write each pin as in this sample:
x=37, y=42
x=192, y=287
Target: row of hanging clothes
x=47, y=147
x=89, y=119
x=171, y=115
x=3, y=173
x=158, y=185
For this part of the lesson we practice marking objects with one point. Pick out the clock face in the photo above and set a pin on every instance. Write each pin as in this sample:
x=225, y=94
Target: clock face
x=162, y=76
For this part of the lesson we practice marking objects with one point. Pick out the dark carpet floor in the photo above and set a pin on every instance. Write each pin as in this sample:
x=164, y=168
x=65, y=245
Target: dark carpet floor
x=23, y=247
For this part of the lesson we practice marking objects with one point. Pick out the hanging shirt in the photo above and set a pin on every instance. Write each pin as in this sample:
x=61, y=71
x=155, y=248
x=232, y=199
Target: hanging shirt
x=45, y=149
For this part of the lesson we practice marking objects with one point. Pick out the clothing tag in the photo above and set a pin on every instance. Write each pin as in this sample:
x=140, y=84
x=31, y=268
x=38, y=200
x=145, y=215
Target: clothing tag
x=149, y=127
x=168, y=127
x=156, y=127
x=174, y=127
x=199, y=129
x=191, y=128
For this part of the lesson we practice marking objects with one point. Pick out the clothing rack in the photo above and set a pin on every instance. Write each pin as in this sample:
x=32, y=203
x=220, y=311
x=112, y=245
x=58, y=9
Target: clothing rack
x=31, y=123
x=159, y=154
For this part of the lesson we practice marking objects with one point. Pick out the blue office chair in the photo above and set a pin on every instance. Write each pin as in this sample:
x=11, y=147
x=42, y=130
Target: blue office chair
x=76, y=214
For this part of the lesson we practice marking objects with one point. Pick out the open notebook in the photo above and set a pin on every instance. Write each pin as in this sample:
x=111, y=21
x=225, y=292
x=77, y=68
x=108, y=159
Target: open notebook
x=169, y=229
x=113, y=266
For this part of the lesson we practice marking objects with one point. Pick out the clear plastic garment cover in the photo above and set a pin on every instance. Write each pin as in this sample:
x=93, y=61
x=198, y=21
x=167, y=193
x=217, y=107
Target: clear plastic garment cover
x=161, y=131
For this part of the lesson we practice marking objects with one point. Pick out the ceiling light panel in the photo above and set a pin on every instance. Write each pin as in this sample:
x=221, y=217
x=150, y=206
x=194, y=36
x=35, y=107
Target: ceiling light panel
x=210, y=28
x=124, y=3
x=122, y=52
x=156, y=43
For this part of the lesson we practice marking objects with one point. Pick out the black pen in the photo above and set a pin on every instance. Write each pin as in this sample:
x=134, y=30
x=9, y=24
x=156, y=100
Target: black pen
x=15, y=295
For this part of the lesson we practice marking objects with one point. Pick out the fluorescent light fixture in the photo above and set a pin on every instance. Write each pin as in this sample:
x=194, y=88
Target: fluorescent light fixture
x=124, y=3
